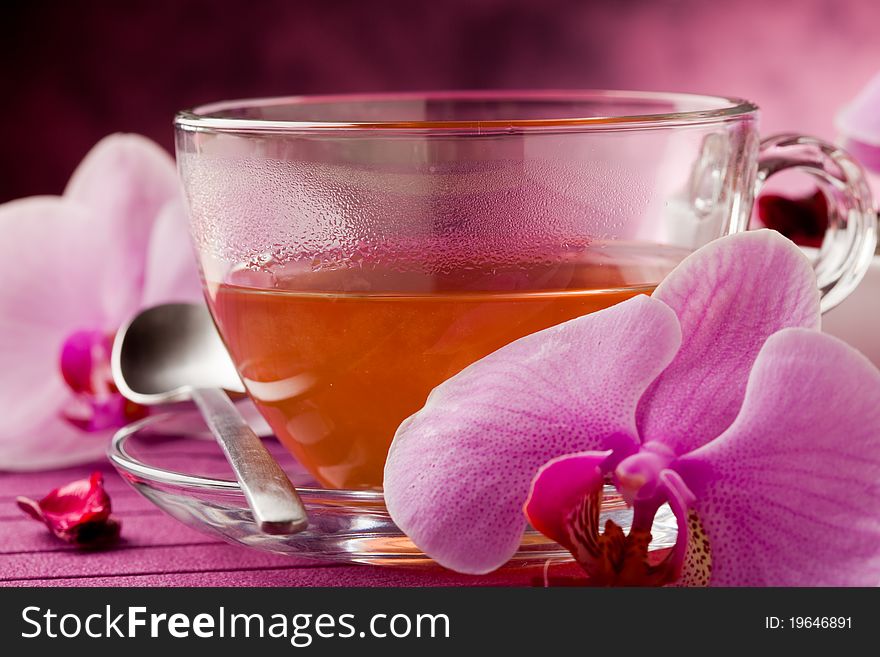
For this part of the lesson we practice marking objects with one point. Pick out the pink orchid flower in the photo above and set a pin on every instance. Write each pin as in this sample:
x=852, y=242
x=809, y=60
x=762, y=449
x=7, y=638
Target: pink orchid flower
x=74, y=267
x=716, y=395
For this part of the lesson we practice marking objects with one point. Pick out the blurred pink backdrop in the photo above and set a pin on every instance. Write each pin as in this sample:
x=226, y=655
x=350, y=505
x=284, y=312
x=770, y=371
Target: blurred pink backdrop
x=74, y=72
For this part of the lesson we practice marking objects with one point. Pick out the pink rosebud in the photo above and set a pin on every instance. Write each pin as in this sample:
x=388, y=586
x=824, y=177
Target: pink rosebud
x=78, y=512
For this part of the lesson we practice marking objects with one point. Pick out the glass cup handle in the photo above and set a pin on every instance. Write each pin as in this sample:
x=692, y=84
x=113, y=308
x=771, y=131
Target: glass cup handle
x=851, y=237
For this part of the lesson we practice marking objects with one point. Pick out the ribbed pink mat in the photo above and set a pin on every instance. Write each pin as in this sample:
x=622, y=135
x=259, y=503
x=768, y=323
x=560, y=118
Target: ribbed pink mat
x=157, y=550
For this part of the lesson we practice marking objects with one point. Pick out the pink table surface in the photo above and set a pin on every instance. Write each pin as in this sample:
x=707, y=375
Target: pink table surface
x=157, y=550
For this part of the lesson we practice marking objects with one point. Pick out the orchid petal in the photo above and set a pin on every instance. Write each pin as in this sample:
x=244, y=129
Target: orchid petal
x=788, y=495
x=125, y=180
x=50, y=441
x=171, y=271
x=729, y=296
x=47, y=258
x=459, y=470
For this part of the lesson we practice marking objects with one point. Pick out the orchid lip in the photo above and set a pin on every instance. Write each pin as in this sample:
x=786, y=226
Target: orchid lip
x=95, y=404
x=83, y=355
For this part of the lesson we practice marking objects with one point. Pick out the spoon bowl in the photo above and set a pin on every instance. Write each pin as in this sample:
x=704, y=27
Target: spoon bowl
x=168, y=350
x=173, y=353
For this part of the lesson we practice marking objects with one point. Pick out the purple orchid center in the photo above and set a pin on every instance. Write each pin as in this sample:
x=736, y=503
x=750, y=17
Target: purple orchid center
x=96, y=403
x=566, y=497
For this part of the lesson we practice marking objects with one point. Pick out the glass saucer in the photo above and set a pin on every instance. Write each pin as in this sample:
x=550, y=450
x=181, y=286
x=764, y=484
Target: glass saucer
x=172, y=460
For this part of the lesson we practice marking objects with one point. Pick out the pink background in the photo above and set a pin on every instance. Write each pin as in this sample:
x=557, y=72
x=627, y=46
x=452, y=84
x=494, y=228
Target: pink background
x=75, y=71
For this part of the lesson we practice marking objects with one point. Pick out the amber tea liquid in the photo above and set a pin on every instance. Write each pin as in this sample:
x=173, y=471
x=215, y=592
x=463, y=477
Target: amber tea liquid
x=335, y=360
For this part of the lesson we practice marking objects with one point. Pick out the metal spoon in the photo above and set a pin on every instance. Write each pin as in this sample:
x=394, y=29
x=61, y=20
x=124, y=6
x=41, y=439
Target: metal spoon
x=172, y=353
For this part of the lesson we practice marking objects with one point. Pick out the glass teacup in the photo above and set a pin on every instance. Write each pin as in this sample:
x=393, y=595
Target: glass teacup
x=356, y=251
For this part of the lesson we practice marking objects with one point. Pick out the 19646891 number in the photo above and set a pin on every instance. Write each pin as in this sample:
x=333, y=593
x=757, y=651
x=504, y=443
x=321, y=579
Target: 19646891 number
x=808, y=623
x=820, y=622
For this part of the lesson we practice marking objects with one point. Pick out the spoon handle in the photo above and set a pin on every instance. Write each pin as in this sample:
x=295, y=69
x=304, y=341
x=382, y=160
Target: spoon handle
x=272, y=498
